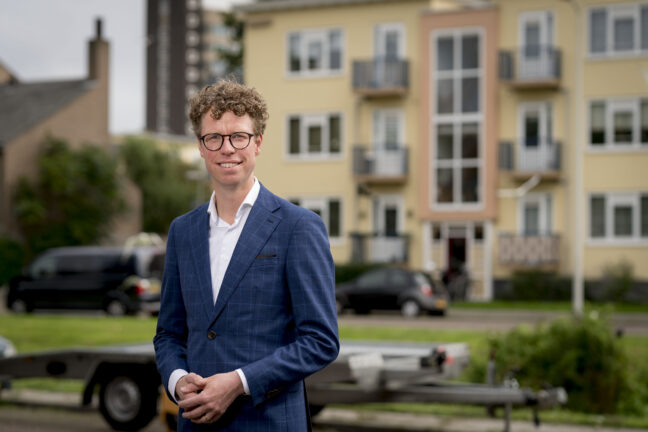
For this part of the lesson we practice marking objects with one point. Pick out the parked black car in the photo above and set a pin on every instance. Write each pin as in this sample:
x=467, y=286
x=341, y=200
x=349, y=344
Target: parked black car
x=410, y=291
x=117, y=280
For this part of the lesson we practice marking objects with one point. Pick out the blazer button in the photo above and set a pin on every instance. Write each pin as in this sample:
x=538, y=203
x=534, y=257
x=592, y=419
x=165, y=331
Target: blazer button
x=211, y=335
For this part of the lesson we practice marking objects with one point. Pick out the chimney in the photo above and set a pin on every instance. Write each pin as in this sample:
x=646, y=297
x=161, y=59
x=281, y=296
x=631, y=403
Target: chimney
x=99, y=75
x=98, y=56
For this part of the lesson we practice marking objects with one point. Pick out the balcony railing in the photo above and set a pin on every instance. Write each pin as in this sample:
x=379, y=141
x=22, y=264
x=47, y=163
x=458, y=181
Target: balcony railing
x=529, y=250
x=380, y=166
x=531, y=156
x=379, y=248
x=381, y=77
x=532, y=66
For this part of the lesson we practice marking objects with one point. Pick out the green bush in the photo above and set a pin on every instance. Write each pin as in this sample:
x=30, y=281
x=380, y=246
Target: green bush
x=617, y=280
x=74, y=199
x=539, y=285
x=581, y=355
x=12, y=256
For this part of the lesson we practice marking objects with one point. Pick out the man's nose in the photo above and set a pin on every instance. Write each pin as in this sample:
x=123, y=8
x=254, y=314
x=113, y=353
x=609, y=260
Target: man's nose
x=227, y=146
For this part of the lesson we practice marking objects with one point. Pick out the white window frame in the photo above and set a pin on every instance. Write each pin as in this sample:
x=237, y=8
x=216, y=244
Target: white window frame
x=379, y=116
x=380, y=202
x=321, y=34
x=456, y=119
x=321, y=118
x=613, y=12
x=321, y=203
x=611, y=107
x=612, y=200
x=545, y=212
x=379, y=32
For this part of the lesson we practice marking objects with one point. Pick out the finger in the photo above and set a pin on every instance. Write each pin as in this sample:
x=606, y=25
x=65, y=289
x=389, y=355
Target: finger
x=195, y=413
x=191, y=401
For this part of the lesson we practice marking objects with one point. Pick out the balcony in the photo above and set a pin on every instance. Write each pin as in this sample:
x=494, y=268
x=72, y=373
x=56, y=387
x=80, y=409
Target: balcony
x=379, y=248
x=531, y=67
x=531, y=156
x=389, y=166
x=381, y=77
x=528, y=250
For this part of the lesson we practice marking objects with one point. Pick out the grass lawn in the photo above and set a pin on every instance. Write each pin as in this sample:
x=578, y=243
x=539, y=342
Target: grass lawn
x=38, y=332
x=550, y=306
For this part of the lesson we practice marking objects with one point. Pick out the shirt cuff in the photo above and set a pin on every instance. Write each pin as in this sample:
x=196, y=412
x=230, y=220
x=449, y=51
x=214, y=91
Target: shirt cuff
x=173, y=381
x=246, y=388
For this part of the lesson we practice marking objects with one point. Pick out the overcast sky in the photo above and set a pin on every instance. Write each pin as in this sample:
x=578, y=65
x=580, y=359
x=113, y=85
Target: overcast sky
x=48, y=40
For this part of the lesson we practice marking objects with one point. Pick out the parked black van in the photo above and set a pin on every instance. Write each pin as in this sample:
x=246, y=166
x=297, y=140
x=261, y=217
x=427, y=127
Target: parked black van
x=117, y=280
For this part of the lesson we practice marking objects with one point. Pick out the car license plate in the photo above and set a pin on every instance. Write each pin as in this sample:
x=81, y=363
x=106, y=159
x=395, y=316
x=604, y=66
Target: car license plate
x=441, y=304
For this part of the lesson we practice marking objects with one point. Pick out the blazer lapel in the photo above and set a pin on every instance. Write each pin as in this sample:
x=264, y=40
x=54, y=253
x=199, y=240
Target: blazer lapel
x=199, y=242
x=260, y=224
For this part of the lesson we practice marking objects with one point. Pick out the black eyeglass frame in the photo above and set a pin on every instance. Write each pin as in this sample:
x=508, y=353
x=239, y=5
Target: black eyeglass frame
x=229, y=137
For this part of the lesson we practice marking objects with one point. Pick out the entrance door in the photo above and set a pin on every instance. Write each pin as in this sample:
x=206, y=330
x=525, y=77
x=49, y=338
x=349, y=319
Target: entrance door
x=388, y=142
x=455, y=275
x=536, y=38
x=535, y=150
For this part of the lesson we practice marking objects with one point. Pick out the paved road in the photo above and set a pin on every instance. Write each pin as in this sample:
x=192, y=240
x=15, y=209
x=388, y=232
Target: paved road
x=496, y=320
x=20, y=418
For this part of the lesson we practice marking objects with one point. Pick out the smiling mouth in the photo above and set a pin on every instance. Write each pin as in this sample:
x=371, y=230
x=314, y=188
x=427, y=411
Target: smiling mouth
x=228, y=164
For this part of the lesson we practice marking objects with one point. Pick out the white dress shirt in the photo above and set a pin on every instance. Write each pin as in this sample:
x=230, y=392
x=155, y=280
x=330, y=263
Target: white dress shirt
x=222, y=241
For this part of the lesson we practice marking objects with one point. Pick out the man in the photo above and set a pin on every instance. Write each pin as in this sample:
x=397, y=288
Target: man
x=248, y=303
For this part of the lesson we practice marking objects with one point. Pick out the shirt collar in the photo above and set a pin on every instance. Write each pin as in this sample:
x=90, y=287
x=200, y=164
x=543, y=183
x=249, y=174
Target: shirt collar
x=249, y=201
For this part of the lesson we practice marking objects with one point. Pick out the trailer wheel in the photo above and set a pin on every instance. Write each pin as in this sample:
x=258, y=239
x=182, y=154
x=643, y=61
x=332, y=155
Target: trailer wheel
x=128, y=402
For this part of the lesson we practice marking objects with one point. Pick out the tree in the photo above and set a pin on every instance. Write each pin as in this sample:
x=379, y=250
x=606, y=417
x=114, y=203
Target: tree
x=233, y=54
x=74, y=199
x=162, y=178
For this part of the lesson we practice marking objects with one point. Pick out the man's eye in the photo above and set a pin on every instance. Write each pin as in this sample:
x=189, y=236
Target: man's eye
x=239, y=137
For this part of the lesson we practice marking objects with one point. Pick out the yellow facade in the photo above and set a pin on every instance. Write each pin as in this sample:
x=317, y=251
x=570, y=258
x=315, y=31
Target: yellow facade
x=550, y=193
x=265, y=69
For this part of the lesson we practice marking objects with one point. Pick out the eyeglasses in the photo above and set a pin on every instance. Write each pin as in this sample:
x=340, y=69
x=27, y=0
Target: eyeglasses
x=214, y=141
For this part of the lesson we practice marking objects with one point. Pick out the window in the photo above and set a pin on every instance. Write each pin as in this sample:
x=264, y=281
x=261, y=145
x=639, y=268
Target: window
x=619, y=124
x=315, y=52
x=535, y=214
x=618, y=30
x=619, y=217
x=314, y=135
x=457, y=122
x=329, y=209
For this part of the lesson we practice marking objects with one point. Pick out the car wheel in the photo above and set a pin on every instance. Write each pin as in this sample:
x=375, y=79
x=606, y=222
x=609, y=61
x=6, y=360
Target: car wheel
x=410, y=309
x=20, y=306
x=116, y=307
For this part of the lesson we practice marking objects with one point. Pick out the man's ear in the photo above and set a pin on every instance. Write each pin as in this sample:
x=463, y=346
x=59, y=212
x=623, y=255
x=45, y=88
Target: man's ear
x=258, y=140
x=200, y=148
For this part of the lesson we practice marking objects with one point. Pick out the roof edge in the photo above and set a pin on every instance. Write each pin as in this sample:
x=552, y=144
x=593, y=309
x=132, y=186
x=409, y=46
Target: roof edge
x=277, y=5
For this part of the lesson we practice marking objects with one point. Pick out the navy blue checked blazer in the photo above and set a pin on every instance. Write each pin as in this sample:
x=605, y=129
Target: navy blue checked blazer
x=274, y=316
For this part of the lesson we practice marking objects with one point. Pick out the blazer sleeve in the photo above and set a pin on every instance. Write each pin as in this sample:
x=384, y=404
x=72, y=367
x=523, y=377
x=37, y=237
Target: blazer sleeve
x=310, y=277
x=170, y=339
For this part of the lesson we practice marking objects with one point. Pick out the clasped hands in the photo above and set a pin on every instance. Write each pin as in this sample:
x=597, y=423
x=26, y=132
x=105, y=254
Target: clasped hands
x=205, y=400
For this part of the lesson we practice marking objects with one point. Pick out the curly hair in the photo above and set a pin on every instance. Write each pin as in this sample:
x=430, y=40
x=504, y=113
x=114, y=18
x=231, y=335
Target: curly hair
x=226, y=96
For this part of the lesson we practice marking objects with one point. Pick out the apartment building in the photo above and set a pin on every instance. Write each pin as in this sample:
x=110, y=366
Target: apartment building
x=493, y=136
x=182, y=55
